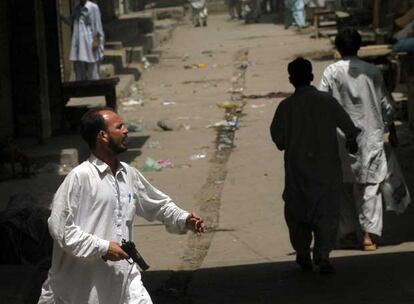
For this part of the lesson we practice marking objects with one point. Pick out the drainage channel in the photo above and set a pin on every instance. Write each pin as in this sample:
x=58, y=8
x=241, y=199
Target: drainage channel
x=209, y=196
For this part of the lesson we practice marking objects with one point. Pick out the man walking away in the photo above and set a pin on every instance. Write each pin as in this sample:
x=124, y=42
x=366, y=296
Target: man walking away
x=359, y=88
x=304, y=126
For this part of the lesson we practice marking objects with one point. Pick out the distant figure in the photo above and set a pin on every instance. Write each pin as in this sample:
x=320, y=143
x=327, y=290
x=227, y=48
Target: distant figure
x=295, y=9
x=359, y=88
x=235, y=9
x=199, y=12
x=304, y=126
x=87, y=49
x=94, y=210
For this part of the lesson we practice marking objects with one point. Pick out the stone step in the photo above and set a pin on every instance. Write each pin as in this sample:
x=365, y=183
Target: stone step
x=151, y=41
x=134, y=54
x=120, y=61
x=153, y=58
x=113, y=45
x=129, y=29
x=172, y=12
x=168, y=3
x=116, y=57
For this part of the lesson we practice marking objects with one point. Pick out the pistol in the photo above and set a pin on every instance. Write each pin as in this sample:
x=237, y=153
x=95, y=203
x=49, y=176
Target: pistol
x=131, y=250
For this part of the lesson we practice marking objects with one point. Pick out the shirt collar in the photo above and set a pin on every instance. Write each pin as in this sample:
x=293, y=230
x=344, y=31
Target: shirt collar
x=102, y=166
x=305, y=88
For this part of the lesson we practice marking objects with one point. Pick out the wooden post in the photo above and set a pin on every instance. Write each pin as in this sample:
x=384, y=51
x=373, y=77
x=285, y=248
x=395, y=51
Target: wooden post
x=376, y=17
x=43, y=118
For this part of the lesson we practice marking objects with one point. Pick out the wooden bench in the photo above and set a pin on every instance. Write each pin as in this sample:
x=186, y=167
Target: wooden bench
x=318, y=14
x=102, y=87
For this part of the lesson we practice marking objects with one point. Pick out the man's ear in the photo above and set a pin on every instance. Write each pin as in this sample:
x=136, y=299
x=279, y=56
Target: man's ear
x=311, y=77
x=103, y=136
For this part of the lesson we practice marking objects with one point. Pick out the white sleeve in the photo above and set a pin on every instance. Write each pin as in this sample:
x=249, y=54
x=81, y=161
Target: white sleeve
x=156, y=205
x=325, y=84
x=64, y=231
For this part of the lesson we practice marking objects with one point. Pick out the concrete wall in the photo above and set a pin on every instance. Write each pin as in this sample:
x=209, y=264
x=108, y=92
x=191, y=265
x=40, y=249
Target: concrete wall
x=6, y=105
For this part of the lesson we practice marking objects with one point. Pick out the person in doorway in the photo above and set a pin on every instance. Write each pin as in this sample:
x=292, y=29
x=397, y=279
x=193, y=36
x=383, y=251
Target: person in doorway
x=87, y=47
x=93, y=210
x=359, y=88
x=304, y=126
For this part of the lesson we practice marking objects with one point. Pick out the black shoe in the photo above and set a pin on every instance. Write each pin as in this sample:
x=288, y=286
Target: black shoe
x=325, y=267
x=305, y=262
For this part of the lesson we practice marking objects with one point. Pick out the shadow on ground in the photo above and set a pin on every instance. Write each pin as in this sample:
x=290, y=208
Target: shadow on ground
x=375, y=278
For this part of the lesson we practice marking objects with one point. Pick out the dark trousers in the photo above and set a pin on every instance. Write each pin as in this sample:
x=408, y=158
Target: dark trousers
x=322, y=225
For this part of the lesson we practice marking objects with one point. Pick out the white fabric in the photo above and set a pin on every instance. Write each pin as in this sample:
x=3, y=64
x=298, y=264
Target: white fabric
x=359, y=88
x=86, y=70
x=91, y=208
x=198, y=4
x=394, y=188
x=368, y=201
x=87, y=24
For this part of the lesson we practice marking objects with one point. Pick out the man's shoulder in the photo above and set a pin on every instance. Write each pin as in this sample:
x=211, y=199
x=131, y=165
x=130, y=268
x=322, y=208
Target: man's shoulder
x=83, y=168
x=91, y=5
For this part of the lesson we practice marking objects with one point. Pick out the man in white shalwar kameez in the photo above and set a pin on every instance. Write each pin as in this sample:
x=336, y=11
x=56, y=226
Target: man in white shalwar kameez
x=87, y=48
x=359, y=87
x=199, y=12
x=93, y=210
x=304, y=126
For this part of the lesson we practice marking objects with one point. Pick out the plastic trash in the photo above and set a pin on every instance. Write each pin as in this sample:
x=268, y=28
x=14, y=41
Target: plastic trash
x=146, y=63
x=133, y=102
x=198, y=156
x=165, y=163
x=151, y=165
x=167, y=101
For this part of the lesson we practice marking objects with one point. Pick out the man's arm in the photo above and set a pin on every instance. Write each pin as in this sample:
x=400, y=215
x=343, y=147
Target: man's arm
x=156, y=205
x=69, y=236
x=325, y=85
x=277, y=128
x=98, y=38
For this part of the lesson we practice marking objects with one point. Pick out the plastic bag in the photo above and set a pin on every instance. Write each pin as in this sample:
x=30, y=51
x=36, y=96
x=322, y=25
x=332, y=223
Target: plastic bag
x=394, y=189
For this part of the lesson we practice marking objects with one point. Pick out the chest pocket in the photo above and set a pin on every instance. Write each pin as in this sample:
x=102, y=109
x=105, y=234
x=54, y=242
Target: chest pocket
x=130, y=210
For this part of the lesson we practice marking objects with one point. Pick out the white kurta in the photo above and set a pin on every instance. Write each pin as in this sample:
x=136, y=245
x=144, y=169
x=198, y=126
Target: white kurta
x=87, y=24
x=91, y=208
x=359, y=88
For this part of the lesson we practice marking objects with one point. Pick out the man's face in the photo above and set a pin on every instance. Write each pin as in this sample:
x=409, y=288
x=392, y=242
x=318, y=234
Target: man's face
x=117, y=132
